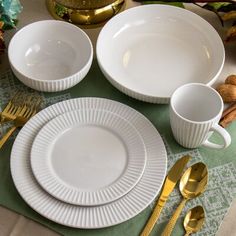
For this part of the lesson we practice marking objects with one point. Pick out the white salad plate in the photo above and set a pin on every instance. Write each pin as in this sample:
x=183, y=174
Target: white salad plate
x=88, y=157
x=149, y=51
x=124, y=208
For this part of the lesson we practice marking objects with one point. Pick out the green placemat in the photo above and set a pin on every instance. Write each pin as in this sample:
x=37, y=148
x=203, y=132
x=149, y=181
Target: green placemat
x=222, y=171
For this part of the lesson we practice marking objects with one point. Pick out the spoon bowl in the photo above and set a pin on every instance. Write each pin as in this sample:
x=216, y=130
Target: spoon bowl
x=194, y=220
x=194, y=181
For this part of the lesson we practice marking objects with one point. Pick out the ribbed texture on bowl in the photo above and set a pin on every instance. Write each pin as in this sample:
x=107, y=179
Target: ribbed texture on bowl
x=131, y=93
x=45, y=36
x=53, y=85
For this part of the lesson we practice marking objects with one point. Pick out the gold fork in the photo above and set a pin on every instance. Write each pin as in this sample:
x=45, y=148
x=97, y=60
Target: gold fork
x=12, y=109
x=24, y=115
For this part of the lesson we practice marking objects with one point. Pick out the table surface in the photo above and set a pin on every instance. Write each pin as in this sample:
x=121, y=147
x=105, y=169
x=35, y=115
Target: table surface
x=14, y=224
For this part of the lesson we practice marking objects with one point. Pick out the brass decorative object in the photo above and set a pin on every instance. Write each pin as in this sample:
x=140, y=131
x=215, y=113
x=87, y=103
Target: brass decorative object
x=84, y=13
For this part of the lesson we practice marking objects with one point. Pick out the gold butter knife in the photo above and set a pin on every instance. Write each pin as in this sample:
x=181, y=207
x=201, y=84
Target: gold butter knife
x=172, y=178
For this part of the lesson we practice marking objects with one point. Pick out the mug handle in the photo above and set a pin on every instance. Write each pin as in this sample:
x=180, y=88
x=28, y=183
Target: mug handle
x=223, y=133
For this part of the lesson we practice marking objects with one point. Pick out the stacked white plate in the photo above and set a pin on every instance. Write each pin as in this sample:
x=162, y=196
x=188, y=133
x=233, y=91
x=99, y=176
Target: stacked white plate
x=88, y=162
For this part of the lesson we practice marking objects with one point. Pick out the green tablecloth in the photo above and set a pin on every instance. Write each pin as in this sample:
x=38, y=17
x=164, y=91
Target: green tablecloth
x=222, y=170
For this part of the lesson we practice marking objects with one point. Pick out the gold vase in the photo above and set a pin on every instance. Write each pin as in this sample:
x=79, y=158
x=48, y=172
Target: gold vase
x=84, y=12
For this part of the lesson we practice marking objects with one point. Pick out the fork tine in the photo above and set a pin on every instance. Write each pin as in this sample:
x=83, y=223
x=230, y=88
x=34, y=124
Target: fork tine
x=27, y=115
x=34, y=106
x=8, y=107
x=30, y=114
x=23, y=111
x=11, y=108
x=25, y=105
x=6, y=110
x=14, y=109
x=10, y=104
x=37, y=105
x=28, y=110
x=32, y=111
x=18, y=110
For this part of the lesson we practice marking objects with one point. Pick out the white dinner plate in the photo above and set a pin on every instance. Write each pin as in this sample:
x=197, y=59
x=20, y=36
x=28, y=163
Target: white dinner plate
x=149, y=51
x=124, y=208
x=88, y=157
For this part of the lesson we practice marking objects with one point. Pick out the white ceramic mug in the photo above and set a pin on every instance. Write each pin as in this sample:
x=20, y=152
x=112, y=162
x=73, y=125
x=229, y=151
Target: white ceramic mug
x=195, y=110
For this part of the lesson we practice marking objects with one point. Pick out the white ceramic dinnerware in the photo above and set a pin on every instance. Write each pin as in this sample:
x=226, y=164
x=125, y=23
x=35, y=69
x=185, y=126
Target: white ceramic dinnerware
x=195, y=110
x=50, y=55
x=149, y=51
x=88, y=157
x=124, y=208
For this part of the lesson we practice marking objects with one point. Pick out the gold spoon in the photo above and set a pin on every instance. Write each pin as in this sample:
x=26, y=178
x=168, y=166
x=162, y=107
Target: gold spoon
x=192, y=184
x=194, y=220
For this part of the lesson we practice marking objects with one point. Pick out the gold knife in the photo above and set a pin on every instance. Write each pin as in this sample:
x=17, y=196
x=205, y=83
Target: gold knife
x=171, y=179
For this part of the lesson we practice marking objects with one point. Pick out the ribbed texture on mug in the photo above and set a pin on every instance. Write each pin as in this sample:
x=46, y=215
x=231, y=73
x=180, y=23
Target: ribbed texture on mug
x=189, y=134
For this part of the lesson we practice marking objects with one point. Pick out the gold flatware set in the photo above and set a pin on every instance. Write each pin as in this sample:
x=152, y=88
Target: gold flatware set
x=18, y=111
x=192, y=184
x=170, y=182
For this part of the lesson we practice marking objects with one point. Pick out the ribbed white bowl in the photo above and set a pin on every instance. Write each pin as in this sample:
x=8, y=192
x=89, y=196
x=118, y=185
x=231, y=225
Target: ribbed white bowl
x=50, y=55
x=148, y=51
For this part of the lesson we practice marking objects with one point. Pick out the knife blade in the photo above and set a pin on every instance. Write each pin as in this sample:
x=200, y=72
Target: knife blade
x=172, y=178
